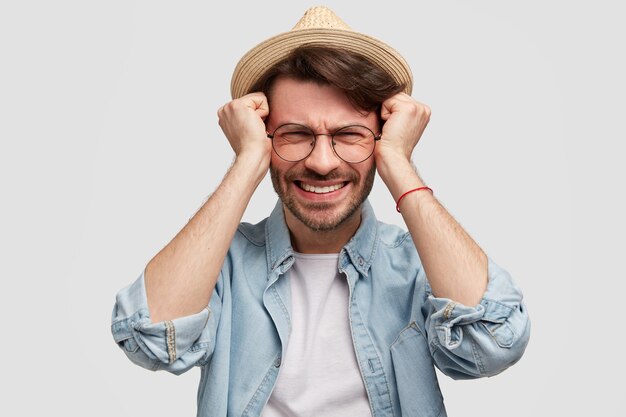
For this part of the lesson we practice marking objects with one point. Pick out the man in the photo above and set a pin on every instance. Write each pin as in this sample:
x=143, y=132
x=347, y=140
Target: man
x=320, y=309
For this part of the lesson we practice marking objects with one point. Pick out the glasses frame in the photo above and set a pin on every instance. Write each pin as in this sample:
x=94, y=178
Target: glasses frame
x=332, y=141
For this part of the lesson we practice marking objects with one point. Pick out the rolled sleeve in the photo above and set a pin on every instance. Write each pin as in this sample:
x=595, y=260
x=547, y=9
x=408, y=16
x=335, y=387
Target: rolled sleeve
x=172, y=345
x=471, y=342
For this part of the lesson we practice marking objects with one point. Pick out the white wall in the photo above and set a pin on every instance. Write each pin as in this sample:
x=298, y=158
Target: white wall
x=109, y=143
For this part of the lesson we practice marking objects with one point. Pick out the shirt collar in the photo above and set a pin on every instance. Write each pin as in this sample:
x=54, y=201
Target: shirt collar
x=361, y=248
x=277, y=238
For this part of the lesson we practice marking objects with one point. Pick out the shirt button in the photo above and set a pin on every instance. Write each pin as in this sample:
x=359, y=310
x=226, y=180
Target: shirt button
x=277, y=362
x=361, y=261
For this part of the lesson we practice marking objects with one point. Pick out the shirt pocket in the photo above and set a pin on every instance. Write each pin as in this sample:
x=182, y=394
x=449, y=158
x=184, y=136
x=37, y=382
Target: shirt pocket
x=416, y=379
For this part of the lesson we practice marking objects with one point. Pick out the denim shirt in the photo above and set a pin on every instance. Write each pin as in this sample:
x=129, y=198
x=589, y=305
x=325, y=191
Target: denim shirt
x=399, y=329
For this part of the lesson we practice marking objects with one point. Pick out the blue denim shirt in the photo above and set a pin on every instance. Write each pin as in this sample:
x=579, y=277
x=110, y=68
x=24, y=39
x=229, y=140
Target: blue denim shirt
x=400, y=330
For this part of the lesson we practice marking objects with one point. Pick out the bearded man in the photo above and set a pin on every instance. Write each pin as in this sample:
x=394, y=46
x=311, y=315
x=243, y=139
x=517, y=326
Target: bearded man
x=321, y=310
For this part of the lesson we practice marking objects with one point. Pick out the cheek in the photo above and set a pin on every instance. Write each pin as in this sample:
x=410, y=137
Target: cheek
x=367, y=169
x=275, y=161
x=277, y=164
x=278, y=170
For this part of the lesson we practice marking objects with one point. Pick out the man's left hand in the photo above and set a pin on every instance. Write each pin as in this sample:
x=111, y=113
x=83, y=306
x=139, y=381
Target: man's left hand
x=405, y=121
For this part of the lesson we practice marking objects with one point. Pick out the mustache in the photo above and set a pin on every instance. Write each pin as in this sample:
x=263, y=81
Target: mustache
x=307, y=174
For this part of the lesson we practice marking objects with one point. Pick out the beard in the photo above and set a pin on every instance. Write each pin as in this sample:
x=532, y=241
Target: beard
x=322, y=217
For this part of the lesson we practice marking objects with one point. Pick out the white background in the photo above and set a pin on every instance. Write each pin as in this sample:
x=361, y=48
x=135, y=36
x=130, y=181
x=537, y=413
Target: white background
x=109, y=143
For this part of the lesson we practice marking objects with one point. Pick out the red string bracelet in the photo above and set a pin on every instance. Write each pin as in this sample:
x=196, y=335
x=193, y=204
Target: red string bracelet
x=410, y=191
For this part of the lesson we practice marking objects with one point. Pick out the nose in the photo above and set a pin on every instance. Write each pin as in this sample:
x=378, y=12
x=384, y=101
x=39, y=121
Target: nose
x=323, y=158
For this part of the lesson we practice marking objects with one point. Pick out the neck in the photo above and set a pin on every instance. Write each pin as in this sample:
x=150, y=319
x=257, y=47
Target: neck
x=307, y=240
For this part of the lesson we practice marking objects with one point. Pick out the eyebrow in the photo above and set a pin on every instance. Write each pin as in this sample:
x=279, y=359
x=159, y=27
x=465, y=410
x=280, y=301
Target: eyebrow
x=332, y=129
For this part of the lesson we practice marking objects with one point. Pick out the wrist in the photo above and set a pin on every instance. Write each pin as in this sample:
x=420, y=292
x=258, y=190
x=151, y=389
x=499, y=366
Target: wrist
x=399, y=175
x=254, y=163
x=390, y=161
x=412, y=190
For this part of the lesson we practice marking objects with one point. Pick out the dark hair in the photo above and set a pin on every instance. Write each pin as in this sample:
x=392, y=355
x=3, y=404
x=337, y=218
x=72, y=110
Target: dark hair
x=365, y=84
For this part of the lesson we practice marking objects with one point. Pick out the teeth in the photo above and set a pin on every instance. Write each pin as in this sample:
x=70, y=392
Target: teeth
x=320, y=190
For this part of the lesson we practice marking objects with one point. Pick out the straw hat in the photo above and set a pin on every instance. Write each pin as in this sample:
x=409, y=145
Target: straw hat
x=319, y=27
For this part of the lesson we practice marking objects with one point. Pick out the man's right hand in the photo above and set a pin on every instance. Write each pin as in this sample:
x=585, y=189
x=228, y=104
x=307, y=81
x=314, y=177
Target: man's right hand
x=242, y=121
x=181, y=277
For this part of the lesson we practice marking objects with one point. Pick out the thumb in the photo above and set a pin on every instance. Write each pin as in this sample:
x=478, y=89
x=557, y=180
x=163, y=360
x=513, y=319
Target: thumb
x=260, y=104
x=385, y=113
x=387, y=108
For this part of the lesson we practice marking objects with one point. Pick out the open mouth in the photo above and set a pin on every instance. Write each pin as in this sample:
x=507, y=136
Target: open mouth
x=320, y=190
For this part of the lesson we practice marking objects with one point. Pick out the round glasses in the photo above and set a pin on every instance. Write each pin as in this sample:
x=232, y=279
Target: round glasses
x=293, y=142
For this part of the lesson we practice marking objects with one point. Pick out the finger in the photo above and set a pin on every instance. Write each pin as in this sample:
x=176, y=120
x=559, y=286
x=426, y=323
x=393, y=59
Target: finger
x=263, y=111
x=389, y=106
x=258, y=102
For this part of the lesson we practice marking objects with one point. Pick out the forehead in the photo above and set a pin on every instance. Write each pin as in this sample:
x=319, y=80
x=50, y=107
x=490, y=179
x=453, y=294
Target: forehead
x=313, y=104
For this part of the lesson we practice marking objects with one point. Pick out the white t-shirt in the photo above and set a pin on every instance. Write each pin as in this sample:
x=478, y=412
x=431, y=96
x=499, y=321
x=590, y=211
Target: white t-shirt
x=319, y=375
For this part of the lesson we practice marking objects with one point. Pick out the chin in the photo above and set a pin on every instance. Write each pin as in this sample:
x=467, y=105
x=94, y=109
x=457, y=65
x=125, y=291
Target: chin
x=320, y=218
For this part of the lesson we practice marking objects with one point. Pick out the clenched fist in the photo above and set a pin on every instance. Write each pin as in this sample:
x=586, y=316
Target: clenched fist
x=242, y=121
x=405, y=121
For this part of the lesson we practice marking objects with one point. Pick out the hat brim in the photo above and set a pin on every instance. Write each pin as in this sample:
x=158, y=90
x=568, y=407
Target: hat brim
x=266, y=54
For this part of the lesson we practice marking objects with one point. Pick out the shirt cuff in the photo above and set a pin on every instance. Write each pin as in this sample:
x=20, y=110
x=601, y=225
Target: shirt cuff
x=157, y=345
x=501, y=300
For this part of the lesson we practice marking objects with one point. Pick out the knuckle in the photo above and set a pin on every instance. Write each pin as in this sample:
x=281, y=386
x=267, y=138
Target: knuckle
x=236, y=104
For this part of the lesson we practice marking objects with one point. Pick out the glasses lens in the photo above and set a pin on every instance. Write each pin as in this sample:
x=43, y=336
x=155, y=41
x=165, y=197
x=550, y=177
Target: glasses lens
x=354, y=143
x=293, y=142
